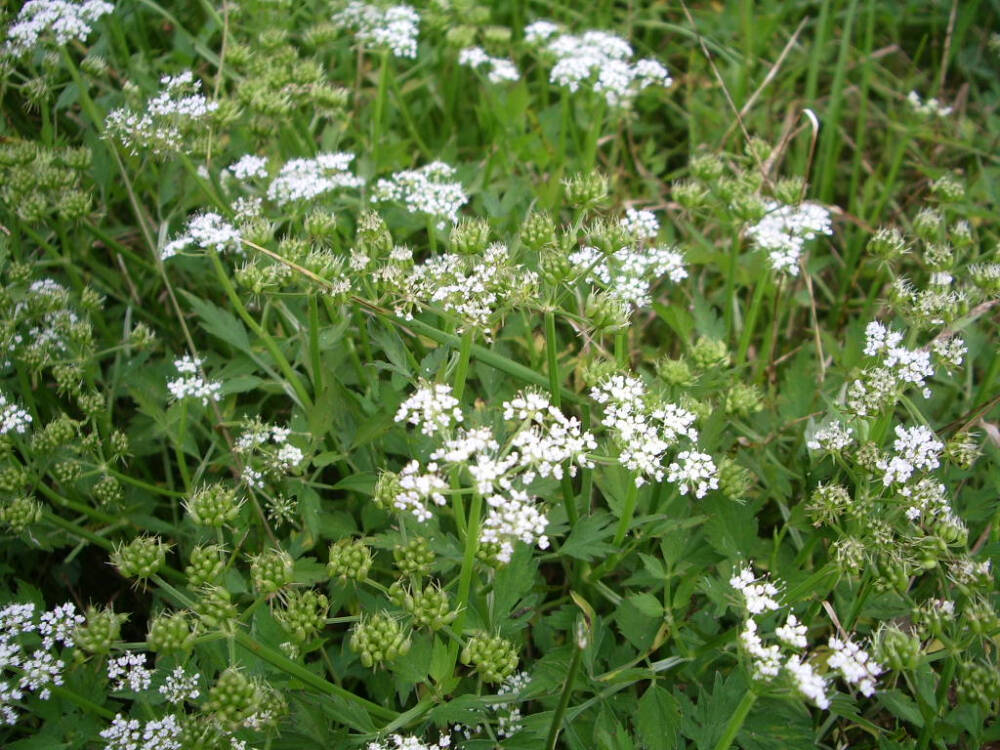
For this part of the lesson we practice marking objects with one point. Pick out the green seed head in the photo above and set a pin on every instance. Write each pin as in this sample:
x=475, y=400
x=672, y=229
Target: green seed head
x=413, y=559
x=493, y=657
x=20, y=512
x=171, y=632
x=303, y=614
x=271, y=570
x=141, y=558
x=204, y=565
x=213, y=505
x=379, y=639
x=101, y=631
x=349, y=559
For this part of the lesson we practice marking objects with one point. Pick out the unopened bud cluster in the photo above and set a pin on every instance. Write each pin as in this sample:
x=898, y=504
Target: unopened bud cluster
x=379, y=639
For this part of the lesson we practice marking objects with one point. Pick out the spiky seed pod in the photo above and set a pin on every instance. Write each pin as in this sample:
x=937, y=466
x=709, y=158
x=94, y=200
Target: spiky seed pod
x=233, y=698
x=413, y=559
x=101, y=631
x=20, y=512
x=349, y=559
x=378, y=639
x=303, y=614
x=213, y=505
x=171, y=632
x=271, y=570
x=141, y=558
x=216, y=610
x=204, y=565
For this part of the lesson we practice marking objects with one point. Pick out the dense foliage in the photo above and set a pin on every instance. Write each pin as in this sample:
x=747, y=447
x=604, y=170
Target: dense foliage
x=507, y=375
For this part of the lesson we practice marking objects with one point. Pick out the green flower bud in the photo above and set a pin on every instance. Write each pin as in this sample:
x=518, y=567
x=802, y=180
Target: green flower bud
x=709, y=354
x=213, y=505
x=960, y=234
x=379, y=639
x=13, y=478
x=939, y=256
x=585, y=189
x=233, y=698
x=735, y=481
x=497, y=35
x=675, y=372
x=216, y=610
x=101, y=632
x=413, y=559
x=689, y=194
x=429, y=607
x=828, y=503
x=707, y=167
x=933, y=616
x=271, y=570
x=55, y=434
x=141, y=558
x=321, y=35
x=94, y=66
x=888, y=243
x=901, y=651
x=538, y=230
x=758, y=149
x=493, y=657
x=789, y=190
x=963, y=450
x=18, y=513
x=744, y=400
x=386, y=489
x=928, y=224
x=141, y=337
x=328, y=97
x=303, y=614
x=74, y=205
x=373, y=234
x=321, y=225
x=108, y=491
x=748, y=207
x=91, y=403
x=470, y=236
x=349, y=558
x=460, y=36
x=118, y=443
x=205, y=565
x=171, y=632
x=948, y=189
x=978, y=683
x=606, y=312
x=981, y=617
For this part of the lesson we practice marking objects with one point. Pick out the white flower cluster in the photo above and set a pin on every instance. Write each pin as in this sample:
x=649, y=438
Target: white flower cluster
x=207, y=230
x=66, y=20
x=641, y=224
x=179, y=686
x=129, y=672
x=915, y=449
x=498, y=70
x=36, y=670
x=929, y=503
x=508, y=716
x=305, y=179
x=266, y=446
x=13, y=419
x=248, y=166
x=432, y=408
x=428, y=190
x=176, y=109
x=191, y=384
x=769, y=660
x=897, y=368
x=394, y=28
x=542, y=442
x=629, y=274
x=131, y=734
x=930, y=108
x=854, y=664
x=471, y=287
x=400, y=742
x=644, y=433
x=784, y=230
x=599, y=61
x=833, y=437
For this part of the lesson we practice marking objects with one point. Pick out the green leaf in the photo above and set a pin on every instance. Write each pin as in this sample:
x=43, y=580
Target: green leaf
x=901, y=706
x=658, y=720
x=647, y=604
x=219, y=323
x=586, y=541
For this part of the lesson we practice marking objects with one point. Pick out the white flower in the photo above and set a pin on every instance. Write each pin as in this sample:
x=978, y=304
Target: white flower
x=758, y=596
x=916, y=449
x=854, y=664
x=394, y=28
x=431, y=407
x=129, y=672
x=427, y=190
x=305, y=179
x=207, y=230
x=766, y=659
x=539, y=31
x=192, y=384
x=784, y=230
x=160, y=128
x=57, y=625
x=694, y=472
x=640, y=224
x=832, y=437
x=179, y=686
x=628, y=275
x=66, y=20
x=931, y=108
x=249, y=166
x=513, y=517
x=498, y=70
x=417, y=487
x=16, y=619
x=792, y=633
x=13, y=419
x=809, y=682
x=40, y=671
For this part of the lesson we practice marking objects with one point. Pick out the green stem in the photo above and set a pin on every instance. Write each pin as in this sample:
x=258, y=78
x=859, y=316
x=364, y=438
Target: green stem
x=269, y=343
x=468, y=565
x=314, y=351
x=751, y=319
x=462, y=369
x=380, y=97
x=560, y=714
x=736, y=721
x=627, y=512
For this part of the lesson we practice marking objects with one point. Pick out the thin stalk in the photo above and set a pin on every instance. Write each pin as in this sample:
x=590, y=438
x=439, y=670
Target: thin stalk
x=468, y=564
x=736, y=721
x=552, y=359
x=269, y=343
x=627, y=512
x=751, y=318
x=315, y=357
x=559, y=716
x=380, y=97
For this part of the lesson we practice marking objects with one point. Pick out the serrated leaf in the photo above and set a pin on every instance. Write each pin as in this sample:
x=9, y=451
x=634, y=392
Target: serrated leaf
x=586, y=540
x=658, y=720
